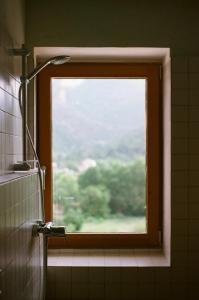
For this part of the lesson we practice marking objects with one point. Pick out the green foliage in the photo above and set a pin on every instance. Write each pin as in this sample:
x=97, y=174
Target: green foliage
x=94, y=201
x=93, y=176
x=73, y=218
x=110, y=188
x=65, y=193
x=64, y=187
x=125, y=183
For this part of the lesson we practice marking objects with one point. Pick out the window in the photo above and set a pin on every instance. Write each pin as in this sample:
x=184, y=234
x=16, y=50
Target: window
x=100, y=137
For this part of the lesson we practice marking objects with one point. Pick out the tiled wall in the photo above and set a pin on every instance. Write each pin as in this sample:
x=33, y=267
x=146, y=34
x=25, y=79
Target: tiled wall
x=181, y=280
x=10, y=118
x=20, y=257
x=172, y=24
x=20, y=253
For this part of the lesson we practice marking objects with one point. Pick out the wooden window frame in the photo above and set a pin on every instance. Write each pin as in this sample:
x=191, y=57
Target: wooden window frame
x=150, y=71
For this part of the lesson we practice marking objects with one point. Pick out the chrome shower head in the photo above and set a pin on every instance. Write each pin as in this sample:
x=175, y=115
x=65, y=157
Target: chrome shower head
x=59, y=60
x=23, y=52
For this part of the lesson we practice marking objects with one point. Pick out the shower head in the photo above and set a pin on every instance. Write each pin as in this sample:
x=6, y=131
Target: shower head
x=23, y=52
x=57, y=60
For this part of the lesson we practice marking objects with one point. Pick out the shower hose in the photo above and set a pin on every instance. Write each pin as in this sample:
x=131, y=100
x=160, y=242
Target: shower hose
x=45, y=239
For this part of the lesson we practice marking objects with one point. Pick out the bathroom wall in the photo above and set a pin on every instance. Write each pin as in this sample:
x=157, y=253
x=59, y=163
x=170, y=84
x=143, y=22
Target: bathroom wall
x=10, y=125
x=173, y=24
x=180, y=281
x=20, y=256
x=114, y=24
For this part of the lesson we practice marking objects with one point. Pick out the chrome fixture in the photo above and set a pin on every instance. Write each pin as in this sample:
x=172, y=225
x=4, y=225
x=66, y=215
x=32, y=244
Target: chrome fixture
x=25, y=79
x=57, y=60
x=48, y=230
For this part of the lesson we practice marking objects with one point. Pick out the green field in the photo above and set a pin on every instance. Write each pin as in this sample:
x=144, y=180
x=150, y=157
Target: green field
x=112, y=224
x=116, y=224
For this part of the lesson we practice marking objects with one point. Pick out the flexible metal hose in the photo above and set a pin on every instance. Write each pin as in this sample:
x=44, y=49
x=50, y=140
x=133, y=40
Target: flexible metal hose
x=45, y=239
x=35, y=155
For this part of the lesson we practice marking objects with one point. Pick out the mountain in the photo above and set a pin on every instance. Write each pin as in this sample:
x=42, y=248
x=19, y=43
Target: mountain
x=98, y=118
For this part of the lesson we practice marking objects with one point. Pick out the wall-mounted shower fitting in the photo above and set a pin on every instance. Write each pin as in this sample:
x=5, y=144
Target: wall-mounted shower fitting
x=48, y=230
x=25, y=79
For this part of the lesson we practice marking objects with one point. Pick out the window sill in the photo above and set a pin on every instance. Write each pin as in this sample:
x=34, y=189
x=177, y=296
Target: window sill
x=108, y=258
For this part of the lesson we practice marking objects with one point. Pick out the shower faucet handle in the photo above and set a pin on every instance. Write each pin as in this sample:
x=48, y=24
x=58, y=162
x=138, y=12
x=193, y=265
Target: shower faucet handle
x=48, y=229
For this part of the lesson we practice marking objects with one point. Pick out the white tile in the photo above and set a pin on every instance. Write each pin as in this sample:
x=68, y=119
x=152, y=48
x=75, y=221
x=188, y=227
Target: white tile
x=179, y=114
x=179, y=64
x=194, y=64
x=179, y=81
x=180, y=97
x=194, y=80
x=194, y=114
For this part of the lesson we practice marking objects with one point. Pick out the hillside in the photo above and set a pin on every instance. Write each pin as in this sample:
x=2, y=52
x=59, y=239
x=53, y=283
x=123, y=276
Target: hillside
x=98, y=118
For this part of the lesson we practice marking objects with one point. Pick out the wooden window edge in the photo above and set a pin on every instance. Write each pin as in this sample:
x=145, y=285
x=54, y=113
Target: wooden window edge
x=151, y=71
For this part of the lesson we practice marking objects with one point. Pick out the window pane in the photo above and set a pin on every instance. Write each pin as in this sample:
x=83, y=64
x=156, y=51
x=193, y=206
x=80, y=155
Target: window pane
x=99, y=149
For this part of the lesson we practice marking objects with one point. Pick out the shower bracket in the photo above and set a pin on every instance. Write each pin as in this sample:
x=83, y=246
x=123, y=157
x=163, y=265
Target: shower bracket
x=19, y=51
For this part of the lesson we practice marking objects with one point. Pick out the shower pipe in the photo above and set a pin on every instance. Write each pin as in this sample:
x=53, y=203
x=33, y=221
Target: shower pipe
x=47, y=229
x=25, y=79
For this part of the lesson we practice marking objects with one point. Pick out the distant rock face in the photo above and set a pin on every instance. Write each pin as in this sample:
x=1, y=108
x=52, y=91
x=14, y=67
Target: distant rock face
x=98, y=118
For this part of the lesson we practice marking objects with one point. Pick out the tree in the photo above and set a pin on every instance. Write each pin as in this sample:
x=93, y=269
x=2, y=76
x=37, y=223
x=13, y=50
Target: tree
x=65, y=188
x=130, y=196
x=92, y=176
x=73, y=218
x=125, y=183
x=94, y=201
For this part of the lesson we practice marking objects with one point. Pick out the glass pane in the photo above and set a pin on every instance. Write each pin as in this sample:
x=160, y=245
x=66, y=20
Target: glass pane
x=99, y=149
